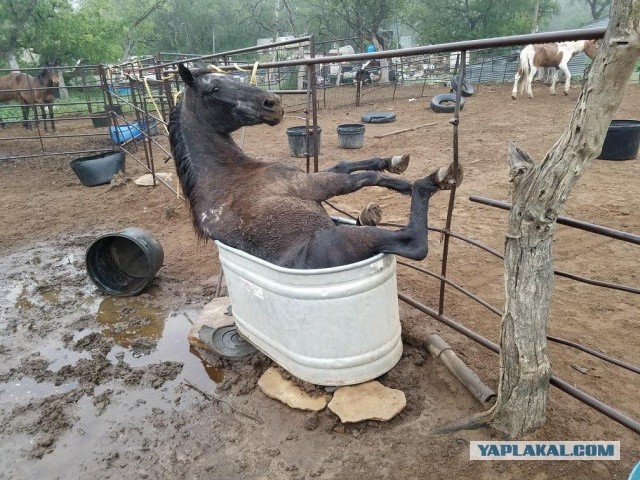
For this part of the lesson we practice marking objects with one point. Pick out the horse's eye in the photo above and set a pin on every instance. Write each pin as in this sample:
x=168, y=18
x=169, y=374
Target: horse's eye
x=216, y=89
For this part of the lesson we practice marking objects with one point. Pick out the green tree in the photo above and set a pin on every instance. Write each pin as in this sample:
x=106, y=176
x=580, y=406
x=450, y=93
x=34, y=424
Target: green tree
x=21, y=22
x=439, y=21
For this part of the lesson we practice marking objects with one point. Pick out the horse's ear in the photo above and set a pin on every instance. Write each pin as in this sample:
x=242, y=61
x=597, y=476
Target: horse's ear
x=186, y=75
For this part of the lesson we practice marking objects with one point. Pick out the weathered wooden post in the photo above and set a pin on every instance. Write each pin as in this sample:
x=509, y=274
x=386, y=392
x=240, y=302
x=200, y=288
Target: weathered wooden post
x=539, y=193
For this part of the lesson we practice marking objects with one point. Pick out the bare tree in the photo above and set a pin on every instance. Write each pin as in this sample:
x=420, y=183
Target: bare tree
x=129, y=40
x=597, y=7
x=539, y=192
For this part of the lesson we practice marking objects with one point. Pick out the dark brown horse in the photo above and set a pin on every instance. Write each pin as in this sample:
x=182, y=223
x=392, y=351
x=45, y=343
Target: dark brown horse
x=270, y=210
x=31, y=91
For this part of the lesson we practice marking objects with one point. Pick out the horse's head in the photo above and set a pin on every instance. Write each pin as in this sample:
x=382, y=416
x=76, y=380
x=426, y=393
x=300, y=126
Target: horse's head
x=227, y=104
x=591, y=48
x=50, y=76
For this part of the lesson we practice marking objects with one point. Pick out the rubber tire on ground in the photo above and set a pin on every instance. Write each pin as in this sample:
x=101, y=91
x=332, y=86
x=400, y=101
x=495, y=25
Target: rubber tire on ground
x=467, y=88
x=445, y=97
x=378, y=117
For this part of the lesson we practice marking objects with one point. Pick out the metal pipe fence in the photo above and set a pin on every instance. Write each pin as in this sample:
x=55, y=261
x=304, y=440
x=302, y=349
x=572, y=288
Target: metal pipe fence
x=150, y=97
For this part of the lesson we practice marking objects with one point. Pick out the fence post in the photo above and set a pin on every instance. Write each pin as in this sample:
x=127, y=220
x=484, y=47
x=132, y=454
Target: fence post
x=452, y=195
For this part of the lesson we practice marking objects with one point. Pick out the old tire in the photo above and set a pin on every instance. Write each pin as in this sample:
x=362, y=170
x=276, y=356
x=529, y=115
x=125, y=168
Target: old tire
x=378, y=117
x=438, y=103
x=467, y=88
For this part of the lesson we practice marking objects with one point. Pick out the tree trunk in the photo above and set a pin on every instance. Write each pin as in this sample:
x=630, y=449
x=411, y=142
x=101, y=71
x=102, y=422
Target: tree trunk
x=534, y=19
x=64, y=93
x=539, y=193
x=384, y=62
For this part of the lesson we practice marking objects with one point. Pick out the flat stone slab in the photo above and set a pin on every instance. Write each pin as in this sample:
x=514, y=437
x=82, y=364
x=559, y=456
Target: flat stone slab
x=287, y=392
x=147, y=179
x=214, y=315
x=367, y=401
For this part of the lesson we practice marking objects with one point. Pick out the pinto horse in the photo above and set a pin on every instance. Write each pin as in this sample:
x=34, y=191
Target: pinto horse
x=31, y=91
x=271, y=210
x=555, y=55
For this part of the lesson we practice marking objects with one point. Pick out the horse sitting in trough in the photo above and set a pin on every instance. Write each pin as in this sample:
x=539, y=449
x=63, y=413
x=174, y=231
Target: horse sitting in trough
x=555, y=55
x=31, y=91
x=271, y=210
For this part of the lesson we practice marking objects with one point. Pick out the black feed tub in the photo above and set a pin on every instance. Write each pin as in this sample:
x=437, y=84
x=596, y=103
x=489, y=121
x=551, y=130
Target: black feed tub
x=622, y=140
x=98, y=169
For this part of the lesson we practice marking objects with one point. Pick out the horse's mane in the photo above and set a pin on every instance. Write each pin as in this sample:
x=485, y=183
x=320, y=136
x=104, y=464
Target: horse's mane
x=42, y=74
x=184, y=167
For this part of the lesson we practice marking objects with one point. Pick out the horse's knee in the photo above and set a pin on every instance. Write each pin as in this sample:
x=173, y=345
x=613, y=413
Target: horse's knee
x=416, y=246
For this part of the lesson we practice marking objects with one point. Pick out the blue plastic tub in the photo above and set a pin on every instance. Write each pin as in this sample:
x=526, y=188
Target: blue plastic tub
x=120, y=91
x=124, y=133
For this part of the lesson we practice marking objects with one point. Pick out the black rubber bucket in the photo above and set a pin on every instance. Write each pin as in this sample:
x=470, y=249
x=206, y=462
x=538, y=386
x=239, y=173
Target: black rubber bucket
x=116, y=108
x=98, y=169
x=350, y=135
x=124, y=263
x=298, y=141
x=622, y=140
x=101, y=120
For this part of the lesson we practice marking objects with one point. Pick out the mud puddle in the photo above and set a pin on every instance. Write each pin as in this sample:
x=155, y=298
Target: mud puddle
x=77, y=367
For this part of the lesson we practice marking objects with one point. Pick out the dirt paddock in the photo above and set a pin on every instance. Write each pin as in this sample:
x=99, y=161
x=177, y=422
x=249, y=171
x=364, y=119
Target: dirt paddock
x=98, y=387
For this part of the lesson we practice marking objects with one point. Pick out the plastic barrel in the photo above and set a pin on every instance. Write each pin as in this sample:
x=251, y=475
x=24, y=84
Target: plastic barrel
x=98, y=169
x=298, y=141
x=350, y=135
x=622, y=140
x=124, y=263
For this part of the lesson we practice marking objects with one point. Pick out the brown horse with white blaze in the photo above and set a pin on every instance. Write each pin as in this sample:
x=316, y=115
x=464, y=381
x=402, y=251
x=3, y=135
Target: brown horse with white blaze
x=271, y=210
x=31, y=92
x=555, y=55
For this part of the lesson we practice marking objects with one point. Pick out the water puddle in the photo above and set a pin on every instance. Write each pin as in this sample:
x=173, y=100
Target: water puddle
x=126, y=320
x=25, y=389
x=48, y=306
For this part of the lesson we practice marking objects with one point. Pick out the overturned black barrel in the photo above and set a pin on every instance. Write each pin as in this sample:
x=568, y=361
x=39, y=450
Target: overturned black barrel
x=124, y=263
x=622, y=140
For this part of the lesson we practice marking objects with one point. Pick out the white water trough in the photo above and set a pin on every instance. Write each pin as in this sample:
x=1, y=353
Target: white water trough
x=330, y=326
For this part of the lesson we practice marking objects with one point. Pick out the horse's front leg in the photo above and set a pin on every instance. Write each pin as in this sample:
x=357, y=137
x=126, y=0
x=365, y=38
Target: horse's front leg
x=396, y=164
x=53, y=125
x=44, y=117
x=344, y=245
x=25, y=116
x=567, y=75
x=49, y=107
x=35, y=115
x=324, y=185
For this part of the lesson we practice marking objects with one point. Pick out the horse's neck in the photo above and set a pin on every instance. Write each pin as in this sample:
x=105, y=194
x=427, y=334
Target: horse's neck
x=575, y=48
x=211, y=153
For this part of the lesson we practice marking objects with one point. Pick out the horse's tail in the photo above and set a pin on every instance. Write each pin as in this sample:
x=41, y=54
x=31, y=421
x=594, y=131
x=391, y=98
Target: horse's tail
x=523, y=70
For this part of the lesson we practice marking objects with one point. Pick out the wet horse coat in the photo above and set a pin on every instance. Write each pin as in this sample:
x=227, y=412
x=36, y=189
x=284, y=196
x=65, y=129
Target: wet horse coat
x=273, y=211
x=31, y=91
x=545, y=55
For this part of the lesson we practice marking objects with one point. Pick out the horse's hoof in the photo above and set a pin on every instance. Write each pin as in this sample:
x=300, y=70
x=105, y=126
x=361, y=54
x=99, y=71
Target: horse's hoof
x=513, y=96
x=446, y=178
x=398, y=164
x=371, y=215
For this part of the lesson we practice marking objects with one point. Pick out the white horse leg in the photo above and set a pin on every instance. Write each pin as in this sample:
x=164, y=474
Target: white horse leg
x=554, y=79
x=532, y=73
x=514, y=92
x=567, y=81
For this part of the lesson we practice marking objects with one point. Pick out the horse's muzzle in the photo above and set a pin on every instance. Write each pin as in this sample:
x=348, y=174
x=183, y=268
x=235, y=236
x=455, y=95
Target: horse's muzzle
x=274, y=111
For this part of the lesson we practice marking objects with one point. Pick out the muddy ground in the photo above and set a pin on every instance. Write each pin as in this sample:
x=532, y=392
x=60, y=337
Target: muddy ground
x=93, y=386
